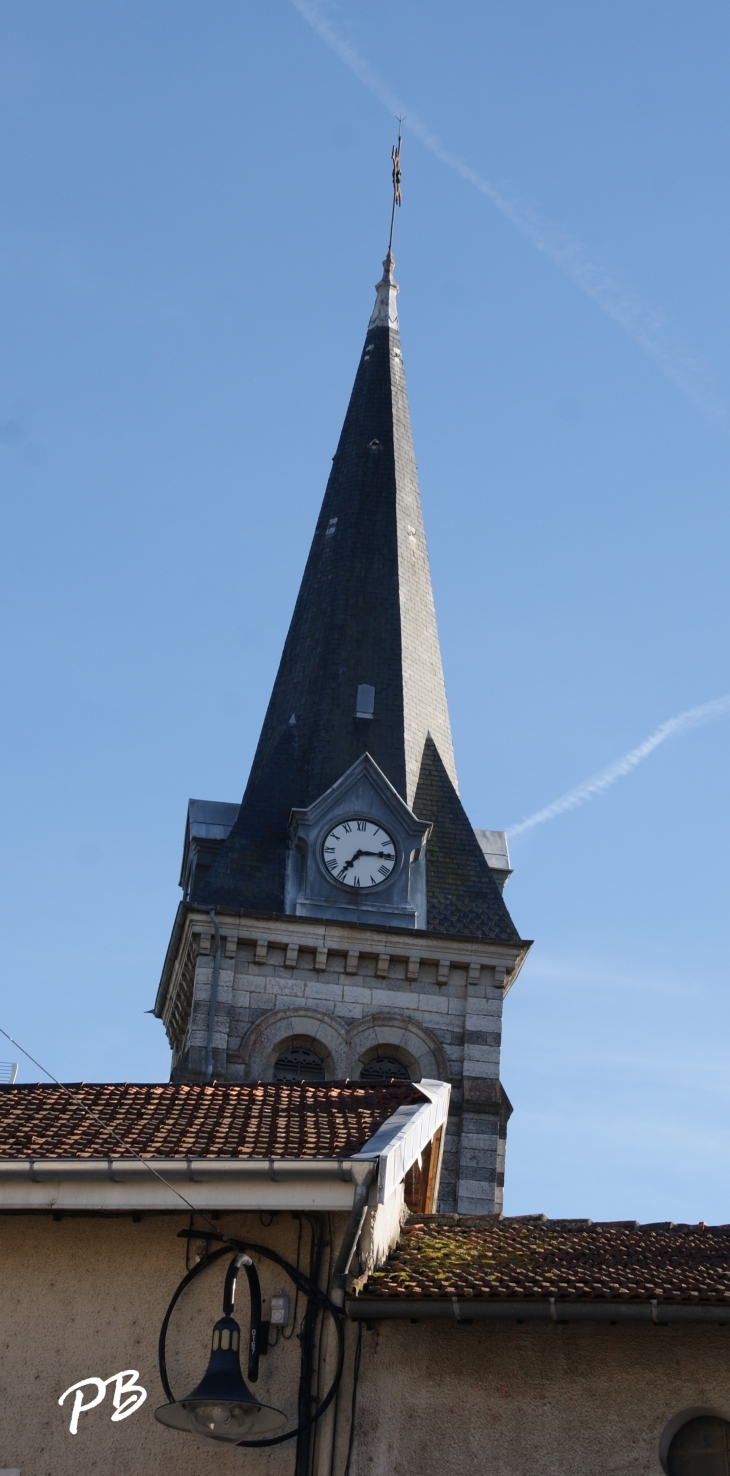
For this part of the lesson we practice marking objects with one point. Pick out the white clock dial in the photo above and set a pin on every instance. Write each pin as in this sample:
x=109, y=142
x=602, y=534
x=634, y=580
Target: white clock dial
x=359, y=853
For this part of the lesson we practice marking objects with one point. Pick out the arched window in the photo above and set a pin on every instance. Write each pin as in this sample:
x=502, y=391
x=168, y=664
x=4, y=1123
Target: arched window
x=299, y=1062
x=700, y=1448
x=382, y=1067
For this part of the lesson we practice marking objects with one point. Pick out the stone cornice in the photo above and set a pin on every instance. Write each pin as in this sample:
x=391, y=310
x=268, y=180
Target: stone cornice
x=293, y=933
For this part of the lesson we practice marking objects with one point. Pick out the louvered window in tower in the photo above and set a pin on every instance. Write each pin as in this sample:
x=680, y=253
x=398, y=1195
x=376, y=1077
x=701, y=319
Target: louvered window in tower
x=299, y=1063
x=382, y=1068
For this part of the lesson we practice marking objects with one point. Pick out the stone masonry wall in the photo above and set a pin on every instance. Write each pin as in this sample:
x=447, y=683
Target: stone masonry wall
x=434, y=1003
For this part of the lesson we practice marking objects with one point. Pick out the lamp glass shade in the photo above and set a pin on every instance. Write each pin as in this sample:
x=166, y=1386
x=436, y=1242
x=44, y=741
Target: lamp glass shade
x=221, y=1408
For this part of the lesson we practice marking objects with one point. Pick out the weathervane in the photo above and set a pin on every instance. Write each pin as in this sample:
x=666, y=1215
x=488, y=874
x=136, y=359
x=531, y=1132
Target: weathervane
x=397, y=199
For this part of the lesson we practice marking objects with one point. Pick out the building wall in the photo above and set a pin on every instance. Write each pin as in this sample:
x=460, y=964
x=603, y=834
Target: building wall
x=85, y=1297
x=437, y=1003
x=511, y=1400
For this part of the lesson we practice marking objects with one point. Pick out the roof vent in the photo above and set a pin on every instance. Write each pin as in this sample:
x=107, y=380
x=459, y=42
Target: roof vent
x=374, y=445
x=332, y=524
x=365, y=705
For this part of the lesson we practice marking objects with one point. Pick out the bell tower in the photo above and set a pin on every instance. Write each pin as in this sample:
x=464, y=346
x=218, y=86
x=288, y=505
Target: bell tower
x=346, y=920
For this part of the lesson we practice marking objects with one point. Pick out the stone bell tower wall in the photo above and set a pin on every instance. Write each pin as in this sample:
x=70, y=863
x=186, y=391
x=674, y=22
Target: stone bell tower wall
x=434, y=1003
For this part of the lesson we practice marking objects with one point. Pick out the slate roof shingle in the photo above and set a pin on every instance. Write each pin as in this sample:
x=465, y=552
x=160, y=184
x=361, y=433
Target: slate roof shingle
x=463, y=896
x=346, y=629
x=364, y=614
x=533, y=1259
x=332, y=1120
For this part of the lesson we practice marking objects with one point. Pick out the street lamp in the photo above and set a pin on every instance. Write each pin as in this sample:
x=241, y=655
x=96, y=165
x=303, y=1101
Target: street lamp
x=221, y=1408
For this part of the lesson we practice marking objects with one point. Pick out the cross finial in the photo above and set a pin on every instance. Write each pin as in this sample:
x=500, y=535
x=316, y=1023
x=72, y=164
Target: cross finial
x=397, y=200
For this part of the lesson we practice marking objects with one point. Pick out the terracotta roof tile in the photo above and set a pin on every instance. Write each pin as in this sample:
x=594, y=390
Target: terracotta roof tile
x=258, y=1120
x=442, y=1256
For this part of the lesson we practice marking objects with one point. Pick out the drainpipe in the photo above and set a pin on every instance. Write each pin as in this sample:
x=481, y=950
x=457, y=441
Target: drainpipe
x=351, y=1236
x=213, y=999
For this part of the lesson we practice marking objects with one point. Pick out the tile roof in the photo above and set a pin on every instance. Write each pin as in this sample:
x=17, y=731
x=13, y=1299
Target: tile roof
x=332, y=1120
x=532, y=1259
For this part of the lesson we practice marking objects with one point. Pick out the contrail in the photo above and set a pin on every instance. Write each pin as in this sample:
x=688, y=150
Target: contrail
x=692, y=718
x=644, y=325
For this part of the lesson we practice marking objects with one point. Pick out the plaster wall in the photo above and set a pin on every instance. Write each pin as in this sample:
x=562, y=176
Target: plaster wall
x=515, y=1400
x=84, y=1297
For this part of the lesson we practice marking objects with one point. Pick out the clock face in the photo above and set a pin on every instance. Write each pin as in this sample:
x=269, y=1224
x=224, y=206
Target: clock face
x=359, y=853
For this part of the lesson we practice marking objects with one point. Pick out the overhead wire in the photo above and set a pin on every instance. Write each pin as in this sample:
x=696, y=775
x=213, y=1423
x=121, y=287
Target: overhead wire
x=78, y=1101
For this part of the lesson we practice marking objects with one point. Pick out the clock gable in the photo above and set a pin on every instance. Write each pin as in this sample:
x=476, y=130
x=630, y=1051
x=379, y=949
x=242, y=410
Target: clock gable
x=358, y=853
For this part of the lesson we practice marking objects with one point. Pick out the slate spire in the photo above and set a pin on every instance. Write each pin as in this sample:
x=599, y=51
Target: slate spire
x=362, y=640
x=365, y=613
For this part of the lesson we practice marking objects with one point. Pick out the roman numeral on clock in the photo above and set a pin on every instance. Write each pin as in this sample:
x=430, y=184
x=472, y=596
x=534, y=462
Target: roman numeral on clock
x=383, y=870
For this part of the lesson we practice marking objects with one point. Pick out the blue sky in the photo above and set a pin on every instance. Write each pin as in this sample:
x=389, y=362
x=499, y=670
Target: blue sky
x=195, y=207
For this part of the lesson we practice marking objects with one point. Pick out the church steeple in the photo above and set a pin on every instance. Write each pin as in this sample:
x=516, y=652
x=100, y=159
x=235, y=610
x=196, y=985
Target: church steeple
x=365, y=614
x=361, y=668
x=344, y=920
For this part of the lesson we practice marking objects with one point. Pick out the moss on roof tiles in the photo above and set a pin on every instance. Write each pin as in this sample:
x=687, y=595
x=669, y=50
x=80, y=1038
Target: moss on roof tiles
x=511, y=1259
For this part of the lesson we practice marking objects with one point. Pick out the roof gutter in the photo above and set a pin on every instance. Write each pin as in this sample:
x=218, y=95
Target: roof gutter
x=118, y=1185
x=370, y=1309
x=180, y=1170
